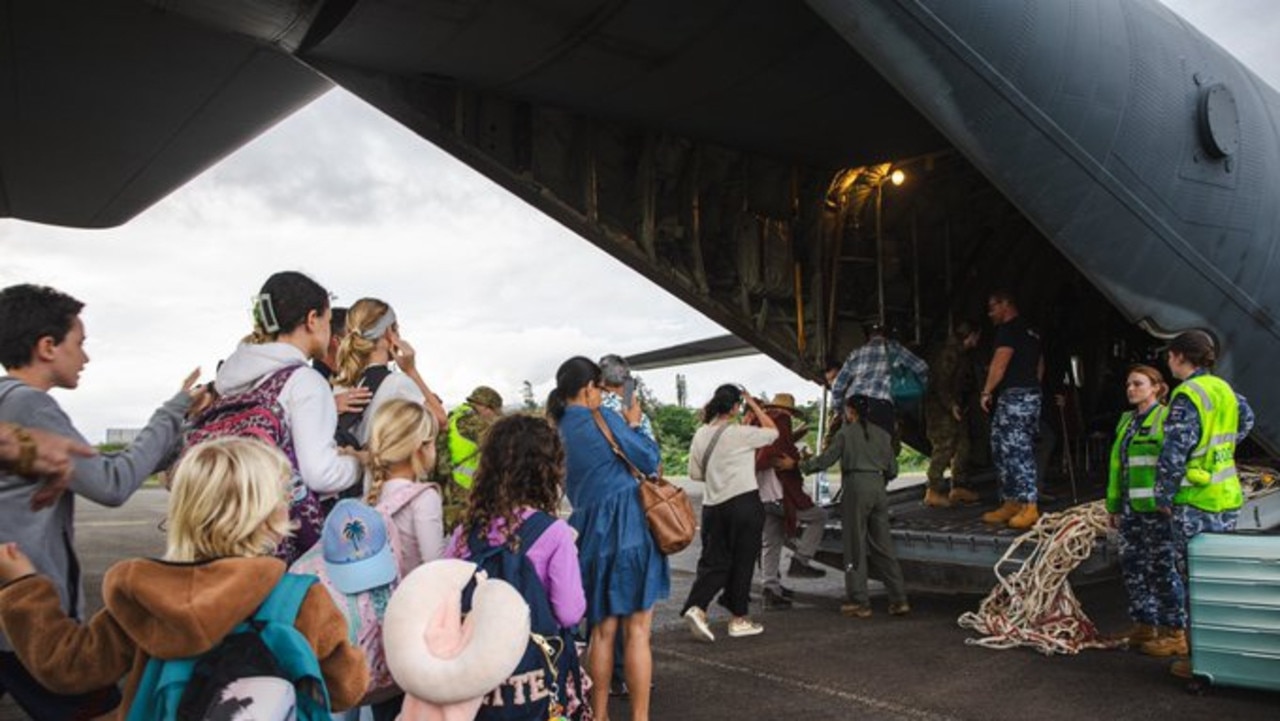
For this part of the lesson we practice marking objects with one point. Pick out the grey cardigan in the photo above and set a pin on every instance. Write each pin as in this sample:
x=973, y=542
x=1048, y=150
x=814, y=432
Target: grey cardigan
x=48, y=536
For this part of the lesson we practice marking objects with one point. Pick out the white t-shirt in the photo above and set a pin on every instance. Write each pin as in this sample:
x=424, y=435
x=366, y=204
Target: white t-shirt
x=731, y=469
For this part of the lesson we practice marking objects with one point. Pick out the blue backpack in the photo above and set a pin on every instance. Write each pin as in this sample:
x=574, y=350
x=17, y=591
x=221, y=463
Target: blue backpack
x=264, y=668
x=548, y=683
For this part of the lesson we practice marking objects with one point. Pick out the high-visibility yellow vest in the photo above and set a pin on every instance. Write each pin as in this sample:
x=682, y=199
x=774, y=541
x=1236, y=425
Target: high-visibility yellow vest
x=464, y=453
x=1211, y=483
x=1138, y=476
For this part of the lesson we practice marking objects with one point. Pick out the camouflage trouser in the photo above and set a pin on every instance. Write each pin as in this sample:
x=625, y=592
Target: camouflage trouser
x=1188, y=522
x=1148, y=560
x=1013, y=432
x=950, y=441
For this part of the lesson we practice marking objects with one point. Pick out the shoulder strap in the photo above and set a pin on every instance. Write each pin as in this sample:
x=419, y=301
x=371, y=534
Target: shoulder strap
x=401, y=496
x=608, y=436
x=532, y=529
x=285, y=600
x=706, y=456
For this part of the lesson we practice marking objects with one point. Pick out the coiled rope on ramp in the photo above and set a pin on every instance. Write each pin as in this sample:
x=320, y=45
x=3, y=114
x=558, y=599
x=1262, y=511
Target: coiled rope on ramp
x=1035, y=606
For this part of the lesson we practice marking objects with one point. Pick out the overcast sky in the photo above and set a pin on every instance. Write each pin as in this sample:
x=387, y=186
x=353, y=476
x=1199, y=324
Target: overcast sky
x=487, y=288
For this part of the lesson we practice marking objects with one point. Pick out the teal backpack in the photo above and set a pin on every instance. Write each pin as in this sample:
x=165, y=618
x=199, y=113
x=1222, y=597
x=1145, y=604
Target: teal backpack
x=264, y=668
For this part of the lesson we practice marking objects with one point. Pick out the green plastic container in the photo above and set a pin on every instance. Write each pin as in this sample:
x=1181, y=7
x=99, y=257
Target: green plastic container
x=1235, y=609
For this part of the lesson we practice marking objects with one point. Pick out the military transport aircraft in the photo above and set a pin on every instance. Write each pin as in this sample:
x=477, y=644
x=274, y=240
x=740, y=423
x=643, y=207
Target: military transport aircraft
x=790, y=169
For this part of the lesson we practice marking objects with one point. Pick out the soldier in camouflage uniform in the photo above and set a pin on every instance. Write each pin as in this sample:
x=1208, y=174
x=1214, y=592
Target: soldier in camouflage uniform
x=945, y=404
x=1146, y=536
x=458, y=448
x=1197, y=485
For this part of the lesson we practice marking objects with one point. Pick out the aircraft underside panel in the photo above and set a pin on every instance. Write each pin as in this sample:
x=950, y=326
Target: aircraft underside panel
x=1090, y=116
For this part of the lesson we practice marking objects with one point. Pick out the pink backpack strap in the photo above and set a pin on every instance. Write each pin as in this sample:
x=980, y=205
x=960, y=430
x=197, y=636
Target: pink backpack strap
x=391, y=502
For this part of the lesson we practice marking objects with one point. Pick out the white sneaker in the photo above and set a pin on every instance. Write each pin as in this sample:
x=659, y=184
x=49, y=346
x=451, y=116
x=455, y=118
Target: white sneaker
x=740, y=627
x=697, y=620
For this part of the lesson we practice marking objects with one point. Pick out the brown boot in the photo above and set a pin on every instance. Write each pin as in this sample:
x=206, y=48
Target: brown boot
x=936, y=499
x=962, y=495
x=1002, y=514
x=1026, y=518
x=1135, y=635
x=1181, y=668
x=1172, y=642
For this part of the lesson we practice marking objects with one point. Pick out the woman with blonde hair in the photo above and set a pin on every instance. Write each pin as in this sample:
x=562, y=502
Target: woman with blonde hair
x=364, y=356
x=402, y=452
x=227, y=512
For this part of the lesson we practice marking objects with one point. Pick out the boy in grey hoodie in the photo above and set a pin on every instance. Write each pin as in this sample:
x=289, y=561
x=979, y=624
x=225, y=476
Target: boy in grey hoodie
x=42, y=347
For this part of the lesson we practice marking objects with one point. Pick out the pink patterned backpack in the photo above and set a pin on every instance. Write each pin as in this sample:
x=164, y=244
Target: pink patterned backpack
x=257, y=413
x=364, y=611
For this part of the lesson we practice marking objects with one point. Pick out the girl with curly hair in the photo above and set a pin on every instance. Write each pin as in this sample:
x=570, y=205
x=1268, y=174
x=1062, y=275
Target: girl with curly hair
x=514, y=497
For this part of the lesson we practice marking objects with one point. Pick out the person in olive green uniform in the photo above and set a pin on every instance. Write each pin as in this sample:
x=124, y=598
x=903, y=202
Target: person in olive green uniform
x=867, y=464
x=460, y=454
x=945, y=404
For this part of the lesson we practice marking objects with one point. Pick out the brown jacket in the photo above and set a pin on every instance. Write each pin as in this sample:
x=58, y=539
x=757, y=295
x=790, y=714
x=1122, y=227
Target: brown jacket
x=165, y=610
x=793, y=496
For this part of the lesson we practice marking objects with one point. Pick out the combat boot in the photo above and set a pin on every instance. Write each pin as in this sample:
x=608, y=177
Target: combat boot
x=936, y=499
x=1002, y=514
x=1172, y=642
x=960, y=494
x=1026, y=518
x=1182, y=668
x=1135, y=635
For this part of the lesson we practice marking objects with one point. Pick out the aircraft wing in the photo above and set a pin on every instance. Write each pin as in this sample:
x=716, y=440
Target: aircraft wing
x=107, y=107
x=708, y=349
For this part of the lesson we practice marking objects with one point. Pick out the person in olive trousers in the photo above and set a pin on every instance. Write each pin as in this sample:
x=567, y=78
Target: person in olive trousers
x=867, y=464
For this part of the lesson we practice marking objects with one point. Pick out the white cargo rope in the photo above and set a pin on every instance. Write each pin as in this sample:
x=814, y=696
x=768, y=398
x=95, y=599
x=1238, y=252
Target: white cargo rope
x=1035, y=606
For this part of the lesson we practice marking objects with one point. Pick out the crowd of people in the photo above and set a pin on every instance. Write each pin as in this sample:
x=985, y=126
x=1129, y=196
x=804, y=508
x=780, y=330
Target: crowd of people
x=320, y=452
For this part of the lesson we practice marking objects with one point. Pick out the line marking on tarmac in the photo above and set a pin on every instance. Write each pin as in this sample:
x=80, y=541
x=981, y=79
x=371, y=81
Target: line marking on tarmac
x=867, y=701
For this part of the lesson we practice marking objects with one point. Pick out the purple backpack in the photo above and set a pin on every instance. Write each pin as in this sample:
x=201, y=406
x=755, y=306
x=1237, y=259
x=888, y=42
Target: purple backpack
x=257, y=413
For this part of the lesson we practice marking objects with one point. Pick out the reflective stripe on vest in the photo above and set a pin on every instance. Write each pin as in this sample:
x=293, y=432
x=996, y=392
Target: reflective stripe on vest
x=1211, y=482
x=463, y=452
x=1138, y=479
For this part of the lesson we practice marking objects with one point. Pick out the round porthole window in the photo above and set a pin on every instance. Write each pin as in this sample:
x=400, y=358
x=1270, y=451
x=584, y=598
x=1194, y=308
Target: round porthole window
x=1219, y=121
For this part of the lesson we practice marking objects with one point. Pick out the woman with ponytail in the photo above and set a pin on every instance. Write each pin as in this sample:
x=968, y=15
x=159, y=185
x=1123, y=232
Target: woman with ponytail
x=623, y=572
x=867, y=464
x=290, y=328
x=371, y=342
x=723, y=455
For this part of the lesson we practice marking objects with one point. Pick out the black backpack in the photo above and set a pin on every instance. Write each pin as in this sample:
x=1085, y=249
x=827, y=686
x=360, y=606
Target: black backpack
x=551, y=660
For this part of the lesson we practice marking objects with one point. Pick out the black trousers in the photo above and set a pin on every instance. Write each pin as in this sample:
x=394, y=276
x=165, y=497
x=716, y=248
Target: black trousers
x=731, y=533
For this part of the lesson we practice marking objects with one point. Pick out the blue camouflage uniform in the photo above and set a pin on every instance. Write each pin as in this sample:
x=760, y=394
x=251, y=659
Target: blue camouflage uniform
x=1147, y=550
x=1181, y=433
x=1013, y=431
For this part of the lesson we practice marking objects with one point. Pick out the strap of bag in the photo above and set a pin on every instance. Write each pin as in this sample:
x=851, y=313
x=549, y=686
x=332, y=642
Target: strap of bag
x=608, y=436
x=706, y=457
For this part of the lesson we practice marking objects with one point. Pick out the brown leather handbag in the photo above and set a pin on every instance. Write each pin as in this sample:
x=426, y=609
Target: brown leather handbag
x=667, y=507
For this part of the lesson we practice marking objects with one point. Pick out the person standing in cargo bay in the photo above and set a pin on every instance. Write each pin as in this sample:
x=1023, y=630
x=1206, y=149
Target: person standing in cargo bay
x=1013, y=389
x=946, y=403
x=1197, y=486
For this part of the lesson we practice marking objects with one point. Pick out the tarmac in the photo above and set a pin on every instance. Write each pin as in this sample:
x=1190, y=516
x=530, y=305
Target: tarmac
x=811, y=663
